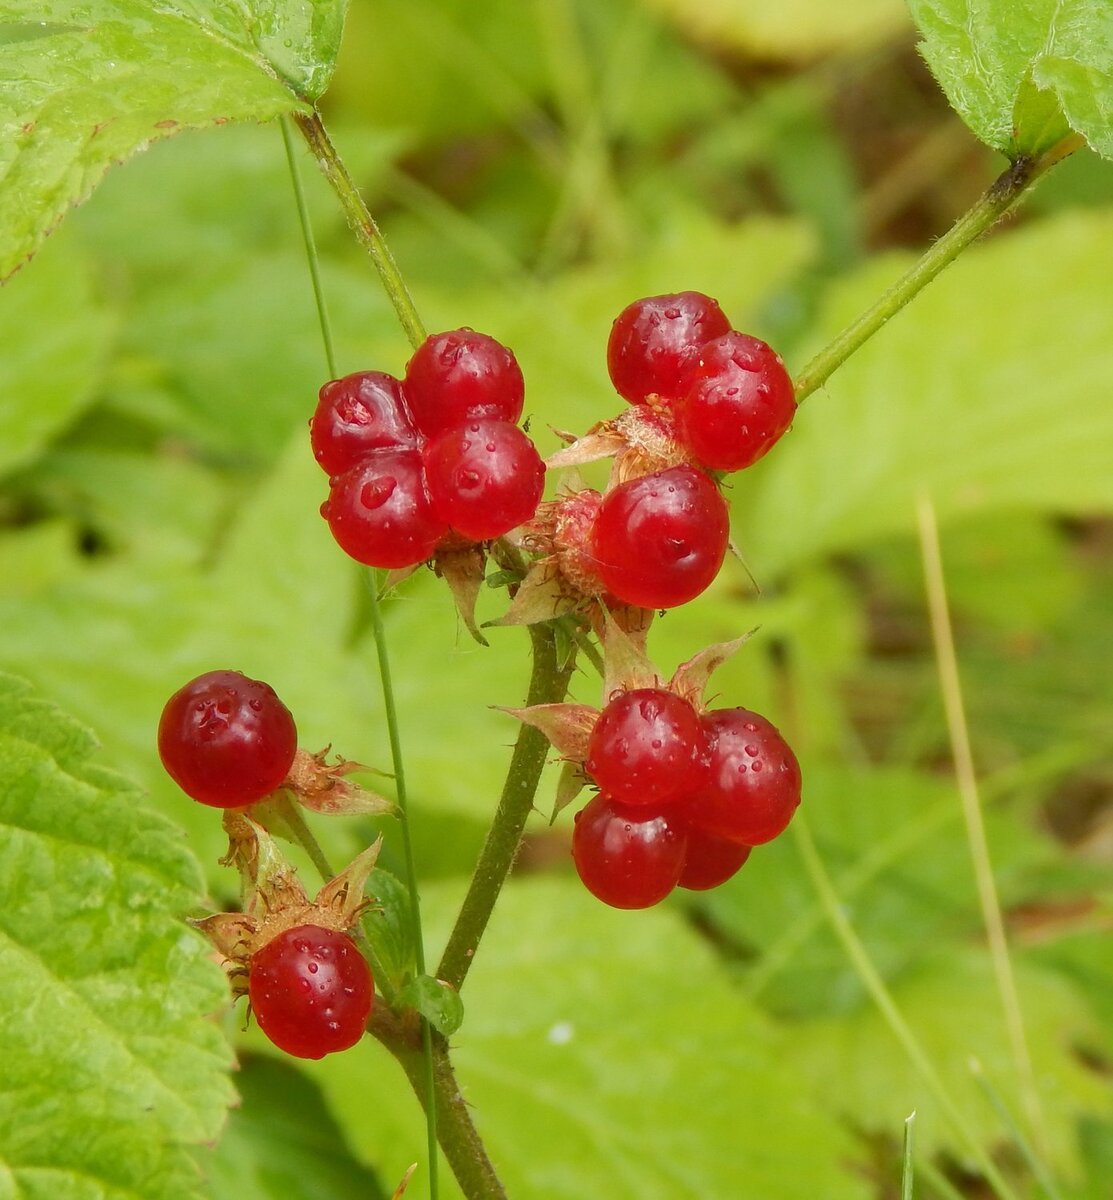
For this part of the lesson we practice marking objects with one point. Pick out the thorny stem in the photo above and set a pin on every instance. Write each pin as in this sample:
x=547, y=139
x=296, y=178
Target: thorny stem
x=547, y=685
x=362, y=222
x=1005, y=191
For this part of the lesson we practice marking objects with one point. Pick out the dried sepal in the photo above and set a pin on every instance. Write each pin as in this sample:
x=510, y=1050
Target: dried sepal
x=571, y=783
x=627, y=666
x=603, y=441
x=690, y=678
x=541, y=596
x=567, y=726
x=321, y=787
x=464, y=569
x=396, y=576
x=400, y=1190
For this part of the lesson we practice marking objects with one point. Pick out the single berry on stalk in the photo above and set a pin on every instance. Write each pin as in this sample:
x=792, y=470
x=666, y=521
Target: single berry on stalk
x=460, y=375
x=485, y=478
x=627, y=857
x=311, y=991
x=654, y=342
x=380, y=512
x=358, y=414
x=226, y=740
x=659, y=540
x=736, y=403
x=710, y=861
x=647, y=748
x=753, y=784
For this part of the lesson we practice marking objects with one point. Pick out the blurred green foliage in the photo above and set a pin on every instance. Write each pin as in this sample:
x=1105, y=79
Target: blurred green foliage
x=536, y=166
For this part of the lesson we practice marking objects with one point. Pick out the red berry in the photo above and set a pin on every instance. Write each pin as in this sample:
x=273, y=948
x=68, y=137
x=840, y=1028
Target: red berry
x=358, y=414
x=659, y=540
x=456, y=376
x=710, y=861
x=736, y=403
x=485, y=478
x=655, y=341
x=226, y=740
x=626, y=857
x=380, y=512
x=648, y=747
x=753, y=785
x=311, y=991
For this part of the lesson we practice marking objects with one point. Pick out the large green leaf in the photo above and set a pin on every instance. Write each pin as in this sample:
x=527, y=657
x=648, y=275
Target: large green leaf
x=988, y=392
x=94, y=82
x=592, y=1041
x=1021, y=75
x=110, y=1067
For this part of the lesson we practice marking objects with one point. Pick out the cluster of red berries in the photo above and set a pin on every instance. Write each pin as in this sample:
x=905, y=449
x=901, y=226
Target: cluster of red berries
x=683, y=796
x=229, y=741
x=424, y=462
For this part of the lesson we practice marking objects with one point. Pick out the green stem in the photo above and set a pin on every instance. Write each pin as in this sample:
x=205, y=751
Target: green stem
x=548, y=685
x=1001, y=196
x=379, y=632
x=363, y=224
x=459, y=1139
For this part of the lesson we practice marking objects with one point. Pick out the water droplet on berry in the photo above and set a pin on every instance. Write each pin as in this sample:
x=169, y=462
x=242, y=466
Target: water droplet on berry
x=752, y=751
x=741, y=768
x=378, y=491
x=325, y=510
x=750, y=727
x=255, y=704
x=757, y=766
x=312, y=968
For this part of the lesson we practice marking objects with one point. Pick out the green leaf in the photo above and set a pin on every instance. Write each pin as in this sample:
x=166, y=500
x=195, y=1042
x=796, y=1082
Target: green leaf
x=111, y=1068
x=56, y=340
x=597, y=1028
x=101, y=80
x=989, y=393
x=1021, y=75
x=388, y=925
x=282, y=1143
x=438, y=1003
x=798, y=29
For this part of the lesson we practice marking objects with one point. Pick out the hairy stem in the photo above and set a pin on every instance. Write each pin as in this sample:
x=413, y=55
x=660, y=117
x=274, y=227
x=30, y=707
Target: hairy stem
x=1005, y=191
x=459, y=1139
x=548, y=685
x=363, y=224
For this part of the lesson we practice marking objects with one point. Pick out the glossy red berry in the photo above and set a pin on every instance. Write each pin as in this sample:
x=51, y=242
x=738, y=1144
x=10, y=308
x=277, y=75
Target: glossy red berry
x=460, y=375
x=648, y=747
x=753, y=785
x=358, y=414
x=226, y=740
x=485, y=478
x=380, y=512
x=311, y=991
x=710, y=861
x=737, y=402
x=659, y=540
x=627, y=857
x=655, y=342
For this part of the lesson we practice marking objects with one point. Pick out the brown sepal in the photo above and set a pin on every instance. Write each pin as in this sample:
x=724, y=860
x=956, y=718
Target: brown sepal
x=690, y=678
x=567, y=726
x=323, y=788
x=572, y=781
x=464, y=567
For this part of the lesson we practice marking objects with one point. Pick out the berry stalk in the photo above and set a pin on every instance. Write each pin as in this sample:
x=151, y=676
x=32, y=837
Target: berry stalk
x=1004, y=192
x=548, y=685
x=363, y=224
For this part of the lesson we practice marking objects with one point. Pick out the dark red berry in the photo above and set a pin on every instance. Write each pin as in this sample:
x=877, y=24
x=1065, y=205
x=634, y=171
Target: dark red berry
x=655, y=342
x=460, y=375
x=380, y=512
x=358, y=414
x=627, y=857
x=753, y=785
x=485, y=478
x=648, y=747
x=311, y=991
x=736, y=404
x=710, y=861
x=659, y=540
x=226, y=740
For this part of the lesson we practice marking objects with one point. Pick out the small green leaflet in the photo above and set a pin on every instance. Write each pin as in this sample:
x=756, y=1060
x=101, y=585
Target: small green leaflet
x=112, y=1068
x=1023, y=74
x=438, y=1002
x=98, y=81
